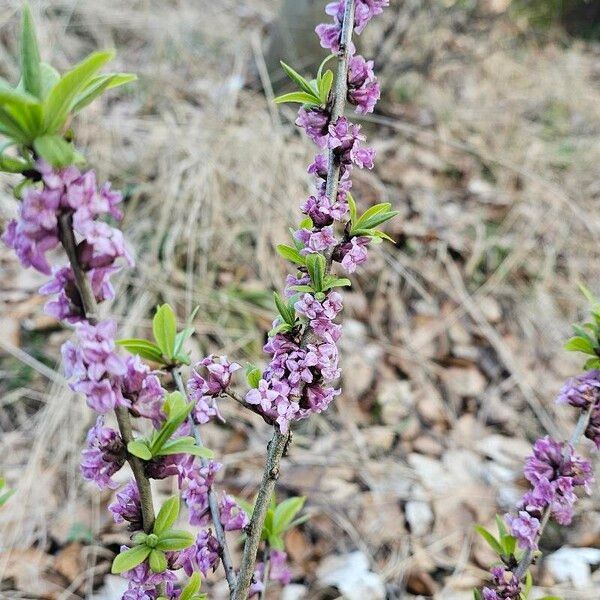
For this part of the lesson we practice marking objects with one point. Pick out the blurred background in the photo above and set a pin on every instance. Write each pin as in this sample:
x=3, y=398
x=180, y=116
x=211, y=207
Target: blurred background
x=487, y=142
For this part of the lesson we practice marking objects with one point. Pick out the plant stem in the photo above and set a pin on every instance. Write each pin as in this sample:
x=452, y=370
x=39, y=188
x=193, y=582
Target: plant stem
x=267, y=567
x=213, y=502
x=279, y=441
x=579, y=430
x=275, y=451
x=90, y=310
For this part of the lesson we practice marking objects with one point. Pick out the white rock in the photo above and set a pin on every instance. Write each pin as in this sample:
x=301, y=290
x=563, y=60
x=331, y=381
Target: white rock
x=294, y=591
x=350, y=574
x=419, y=516
x=574, y=565
x=114, y=587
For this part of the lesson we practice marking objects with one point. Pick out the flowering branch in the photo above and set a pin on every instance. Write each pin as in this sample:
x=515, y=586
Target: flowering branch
x=555, y=471
x=90, y=312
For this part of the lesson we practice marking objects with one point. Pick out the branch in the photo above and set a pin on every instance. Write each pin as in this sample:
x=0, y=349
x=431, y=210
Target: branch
x=279, y=441
x=90, y=310
x=213, y=502
x=275, y=451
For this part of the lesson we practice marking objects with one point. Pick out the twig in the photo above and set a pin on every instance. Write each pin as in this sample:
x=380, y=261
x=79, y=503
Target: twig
x=279, y=441
x=580, y=428
x=275, y=451
x=267, y=567
x=213, y=502
x=90, y=309
x=250, y=407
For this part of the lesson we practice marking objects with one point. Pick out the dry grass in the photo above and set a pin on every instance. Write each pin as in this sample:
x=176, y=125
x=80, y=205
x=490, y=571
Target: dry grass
x=492, y=157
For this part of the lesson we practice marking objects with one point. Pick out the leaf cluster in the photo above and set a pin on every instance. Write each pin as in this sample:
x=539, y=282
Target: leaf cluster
x=167, y=348
x=35, y=113
x=152, y=546
x=280, y=518
x=366, y=225
x=313, y=93
x=586, y=337
x=159, y=443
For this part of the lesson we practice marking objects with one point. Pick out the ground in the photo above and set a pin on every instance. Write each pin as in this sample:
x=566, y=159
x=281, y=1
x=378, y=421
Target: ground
x=487, y=141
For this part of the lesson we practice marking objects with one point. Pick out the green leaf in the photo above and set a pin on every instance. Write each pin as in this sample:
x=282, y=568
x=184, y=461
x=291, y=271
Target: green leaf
x=174, y=420
x=184, y=445
x=55, y=150
x=50, y=77
x=316, y=265
x=528, y=584
x=140, y=449
x=477, y=595
x=143, y=348
x=285, y=513
x=299, y=97
x=157, y=561
x=167, y=515
x=502, y=530
x=381, y=235
x=335, y=282
x=181, y=338
x=580, y=344
x=164, y=327
x=60, y=98
x=129, y=559
x=253, y=376
x=490, y=539
x=98, y=85
x=30, y=55
x=297, y=78
x=592, y=363
x=352, y=206
x=587, y=293
x=175, y=539
x=192, y=587
x=12, y=164
x=509, y=544
x=276, y=541
x=286, y=310
x=303, y=288
x=376, y=219
x=325, y=84
x=291, y=254
x=281, y=328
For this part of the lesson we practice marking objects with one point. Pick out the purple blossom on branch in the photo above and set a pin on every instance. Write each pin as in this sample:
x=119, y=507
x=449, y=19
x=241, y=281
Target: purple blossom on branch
x=104, y=455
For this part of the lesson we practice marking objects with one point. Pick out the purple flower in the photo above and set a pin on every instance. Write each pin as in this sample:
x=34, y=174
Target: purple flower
x=315, y=241
x=354, y=253
x=143, y=577
x=363, y=89
x=343, y=135
x=195, y=495
x=291, y=281
x=525, y=528
x=323, y=211
x=127, y=507
x=581, y=391
x=203, y=555
x=142, y=389
x=279, y=570
x=319, y=398
x=233, y=517
x=315, y=122
x=319, y=166
x=505, y=584
x=104, y=455
x=363, y=158
x=173, y=465
x=204, y=390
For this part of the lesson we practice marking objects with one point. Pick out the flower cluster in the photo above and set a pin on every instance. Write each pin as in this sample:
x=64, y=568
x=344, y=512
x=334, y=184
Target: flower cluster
x=506, y=586
x=299, y=379
x=554, y=471
x=69, y=192
x=205, y=390
x=583, y=392
x=330, y=34
x=104, y=455
x=105, y=378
